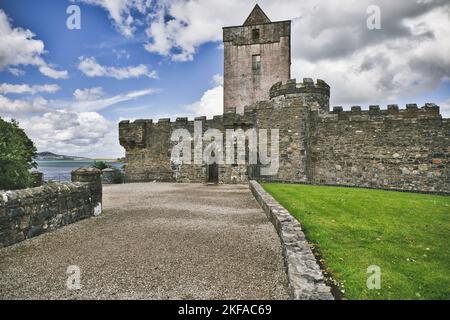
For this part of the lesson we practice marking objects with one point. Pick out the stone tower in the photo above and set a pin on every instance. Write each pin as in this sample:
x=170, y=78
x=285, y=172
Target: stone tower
x=256, y=55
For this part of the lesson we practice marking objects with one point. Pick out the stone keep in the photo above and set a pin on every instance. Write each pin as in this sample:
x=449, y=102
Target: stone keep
x=256, y=55
x=394, y=148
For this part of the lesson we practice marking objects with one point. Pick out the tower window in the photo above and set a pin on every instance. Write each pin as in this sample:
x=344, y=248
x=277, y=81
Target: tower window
x=256, y=62
x=255, y=34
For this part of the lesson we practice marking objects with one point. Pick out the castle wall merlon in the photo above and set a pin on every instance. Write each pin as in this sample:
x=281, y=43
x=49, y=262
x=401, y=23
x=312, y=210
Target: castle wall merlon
x=292, y=87
x=132, y=135
x=411, y=111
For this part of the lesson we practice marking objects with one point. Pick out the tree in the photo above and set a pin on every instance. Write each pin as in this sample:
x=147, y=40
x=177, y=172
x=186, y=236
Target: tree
x=17, y=153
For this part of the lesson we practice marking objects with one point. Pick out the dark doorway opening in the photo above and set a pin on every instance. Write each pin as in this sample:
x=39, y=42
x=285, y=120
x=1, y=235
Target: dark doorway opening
x=213, y=173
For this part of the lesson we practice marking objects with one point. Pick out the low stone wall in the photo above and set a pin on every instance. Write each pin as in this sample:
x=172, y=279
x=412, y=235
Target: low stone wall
x=306, y=281
x=30, y=212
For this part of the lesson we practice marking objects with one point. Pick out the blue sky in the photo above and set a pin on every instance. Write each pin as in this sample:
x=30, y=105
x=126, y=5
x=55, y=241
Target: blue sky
x=154, y=59
x=178, y=84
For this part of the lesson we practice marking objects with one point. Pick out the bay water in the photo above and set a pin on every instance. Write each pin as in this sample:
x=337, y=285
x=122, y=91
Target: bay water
x=59, y=170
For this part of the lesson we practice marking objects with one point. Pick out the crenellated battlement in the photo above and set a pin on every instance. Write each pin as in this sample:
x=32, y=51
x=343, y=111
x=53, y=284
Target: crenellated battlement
x=306, y=87
x=411, y=111
x=134, y=134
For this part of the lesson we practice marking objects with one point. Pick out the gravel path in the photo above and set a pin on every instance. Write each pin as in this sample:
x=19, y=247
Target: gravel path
x=155, y=241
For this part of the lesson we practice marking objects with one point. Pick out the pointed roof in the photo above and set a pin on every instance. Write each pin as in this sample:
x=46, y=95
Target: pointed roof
x=257, y=16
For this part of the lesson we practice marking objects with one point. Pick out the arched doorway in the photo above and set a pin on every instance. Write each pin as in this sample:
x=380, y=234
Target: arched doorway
x=213, y=173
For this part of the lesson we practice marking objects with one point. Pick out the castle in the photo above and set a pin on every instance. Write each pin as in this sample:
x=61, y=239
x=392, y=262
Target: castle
x=406, y=149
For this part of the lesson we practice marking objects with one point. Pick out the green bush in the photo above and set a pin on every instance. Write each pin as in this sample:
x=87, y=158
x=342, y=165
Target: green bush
x=17, y=153
x=101, y=165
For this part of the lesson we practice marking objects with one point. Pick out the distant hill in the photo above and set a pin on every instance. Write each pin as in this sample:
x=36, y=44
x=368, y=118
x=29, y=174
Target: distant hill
x=52, y=156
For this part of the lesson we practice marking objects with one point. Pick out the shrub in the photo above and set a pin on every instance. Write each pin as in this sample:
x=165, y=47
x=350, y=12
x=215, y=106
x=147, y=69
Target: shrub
x=101, y=165
x=17, y=153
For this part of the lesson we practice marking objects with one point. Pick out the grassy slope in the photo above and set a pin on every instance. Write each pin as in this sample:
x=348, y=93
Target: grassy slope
x=407, y=235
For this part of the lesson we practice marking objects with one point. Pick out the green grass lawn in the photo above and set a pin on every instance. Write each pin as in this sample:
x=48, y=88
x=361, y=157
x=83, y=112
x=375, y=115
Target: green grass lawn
x=406, y=234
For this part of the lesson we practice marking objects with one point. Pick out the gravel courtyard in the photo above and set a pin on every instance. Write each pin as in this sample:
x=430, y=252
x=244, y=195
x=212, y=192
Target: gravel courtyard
x=155, y=241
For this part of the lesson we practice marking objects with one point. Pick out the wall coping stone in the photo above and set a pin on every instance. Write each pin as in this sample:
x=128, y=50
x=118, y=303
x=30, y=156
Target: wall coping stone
x=87, y=170
x=306, y=281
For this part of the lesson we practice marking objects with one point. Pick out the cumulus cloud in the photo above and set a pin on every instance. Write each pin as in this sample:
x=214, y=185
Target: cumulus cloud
x=121, y=12
x=408, y=56
x=178, y=28
x=211, y=102
x=88, y=94
x=330, y=40
x=6, y=88
x=70, y=126
x=72, y=132
x=91, y=68
x=20, y=107
x=18, y=47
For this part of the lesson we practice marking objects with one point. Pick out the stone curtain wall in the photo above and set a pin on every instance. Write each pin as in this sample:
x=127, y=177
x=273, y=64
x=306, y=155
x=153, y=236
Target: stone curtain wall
x=148, y=146
x=394, y=149
x=29, y=212
x=148, y=149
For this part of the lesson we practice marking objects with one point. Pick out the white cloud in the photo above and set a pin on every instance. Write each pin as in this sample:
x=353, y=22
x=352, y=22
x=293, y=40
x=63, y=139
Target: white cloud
x=408, y=57
x=71, y=126
x=120, y=11
x=20, y=107
x=16, y=72
x=88, y=94
x=91, y=68
x=218, y=79
x=18, y=47
x=52, y=73
x=6, y=88
x=122, y=54
x=191, y=24
x=209, y=105
x=66, y=132
x=86, y=100
x=330, y=40
x=445, y=108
